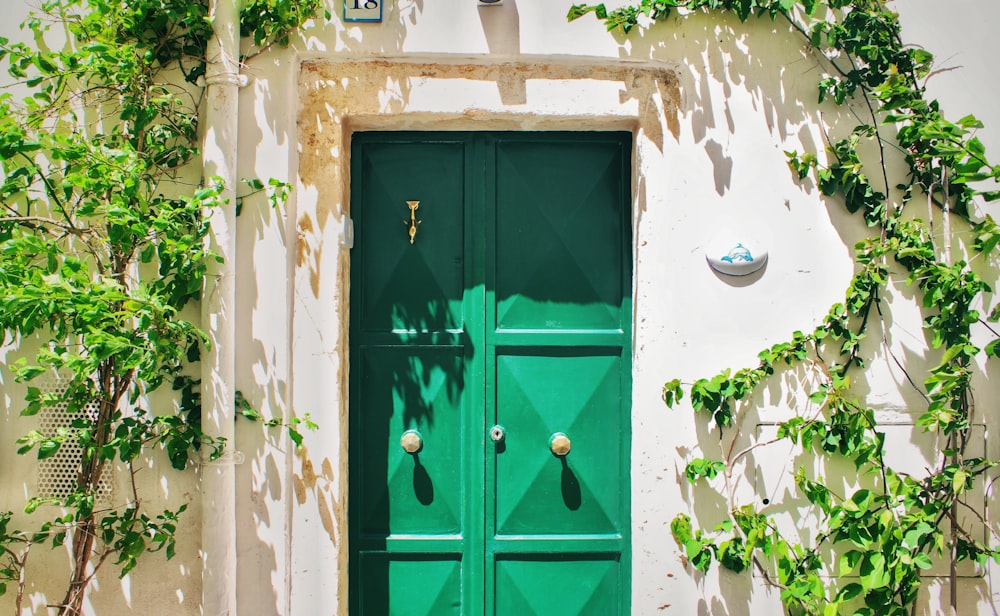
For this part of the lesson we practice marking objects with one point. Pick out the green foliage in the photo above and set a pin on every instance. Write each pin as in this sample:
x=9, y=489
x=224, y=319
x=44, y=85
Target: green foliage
x=102, y=247
x=291, y=424
x=131, y=534
x=268, y=21
x=11, y=556
x=893, y=525
x=700, y=467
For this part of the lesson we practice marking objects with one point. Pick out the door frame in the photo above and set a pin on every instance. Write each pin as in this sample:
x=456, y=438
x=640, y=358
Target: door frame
x=338, y=95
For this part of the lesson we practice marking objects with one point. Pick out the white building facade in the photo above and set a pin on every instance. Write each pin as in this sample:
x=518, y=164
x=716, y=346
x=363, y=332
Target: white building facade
x=705, y=108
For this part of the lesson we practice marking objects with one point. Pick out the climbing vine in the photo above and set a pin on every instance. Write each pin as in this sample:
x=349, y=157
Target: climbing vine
x=102, y=250
x=891, y=525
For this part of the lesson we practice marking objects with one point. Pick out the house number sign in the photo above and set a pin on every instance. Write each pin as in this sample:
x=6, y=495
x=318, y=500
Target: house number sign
x=363, y=10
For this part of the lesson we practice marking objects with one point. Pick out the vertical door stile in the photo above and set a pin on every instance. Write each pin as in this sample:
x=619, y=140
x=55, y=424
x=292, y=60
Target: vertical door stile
x=625, y=192
x=487, y=145
x=475, y=289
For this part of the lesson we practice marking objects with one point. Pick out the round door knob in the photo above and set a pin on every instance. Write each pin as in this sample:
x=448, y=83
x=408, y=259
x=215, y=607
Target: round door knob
x=497, y=433
x=411, y=441
x=560, y=444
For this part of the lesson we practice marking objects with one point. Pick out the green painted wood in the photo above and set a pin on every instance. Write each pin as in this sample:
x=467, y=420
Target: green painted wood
x=403, y=585
x=559, y=584
x=414, y=542
x=558, y=352
x=404, y=493
x=510, y=307
x=559, y=230
x=416, y=287
x=576, y=391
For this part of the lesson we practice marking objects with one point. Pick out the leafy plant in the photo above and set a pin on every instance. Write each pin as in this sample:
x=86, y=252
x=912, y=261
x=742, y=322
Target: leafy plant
x=102, y=249
x=892, y=525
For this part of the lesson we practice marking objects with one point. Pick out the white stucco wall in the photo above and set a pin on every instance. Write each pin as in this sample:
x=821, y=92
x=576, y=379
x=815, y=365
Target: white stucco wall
x=712, y=103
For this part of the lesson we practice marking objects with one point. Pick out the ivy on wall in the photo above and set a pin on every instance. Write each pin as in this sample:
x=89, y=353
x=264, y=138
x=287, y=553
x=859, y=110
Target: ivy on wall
x=890, y=526
x=102, y=247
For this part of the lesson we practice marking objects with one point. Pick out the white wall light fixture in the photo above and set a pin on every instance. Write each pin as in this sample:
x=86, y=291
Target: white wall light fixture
x=736, y=255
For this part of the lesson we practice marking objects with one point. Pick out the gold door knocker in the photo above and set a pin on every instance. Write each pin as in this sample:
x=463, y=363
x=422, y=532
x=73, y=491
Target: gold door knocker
x=412, y=222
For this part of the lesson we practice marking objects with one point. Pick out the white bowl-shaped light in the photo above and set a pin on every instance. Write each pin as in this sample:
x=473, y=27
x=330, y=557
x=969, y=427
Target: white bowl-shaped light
x=736, y=256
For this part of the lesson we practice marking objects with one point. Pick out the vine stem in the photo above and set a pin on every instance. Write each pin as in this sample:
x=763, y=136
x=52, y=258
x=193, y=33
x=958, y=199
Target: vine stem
x=946, y=219
x=21, y=562
x=899, y=364
x=42, y=220
x=987, y=326
x=931, y=160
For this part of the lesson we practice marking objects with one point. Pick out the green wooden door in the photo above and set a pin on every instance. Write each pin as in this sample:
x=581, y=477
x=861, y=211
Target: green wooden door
x=496, y=340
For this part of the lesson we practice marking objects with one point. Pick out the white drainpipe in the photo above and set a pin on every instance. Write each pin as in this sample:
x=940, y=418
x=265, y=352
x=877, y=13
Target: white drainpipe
x=218, y=313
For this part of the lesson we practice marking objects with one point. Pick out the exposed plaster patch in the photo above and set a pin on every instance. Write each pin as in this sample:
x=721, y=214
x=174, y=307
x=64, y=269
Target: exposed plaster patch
x=302, y=249
x=300, y=489
x=327, y=507
x=308, y=474
x=367, y=91
x=326, y=515
x=309, y=252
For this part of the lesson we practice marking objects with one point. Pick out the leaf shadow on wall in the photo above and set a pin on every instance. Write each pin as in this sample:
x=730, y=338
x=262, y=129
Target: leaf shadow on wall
x=263, y=312
x=767, y=62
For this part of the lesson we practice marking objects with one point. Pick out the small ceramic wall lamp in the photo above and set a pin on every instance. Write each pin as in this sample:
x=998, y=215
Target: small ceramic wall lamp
x=736, y=255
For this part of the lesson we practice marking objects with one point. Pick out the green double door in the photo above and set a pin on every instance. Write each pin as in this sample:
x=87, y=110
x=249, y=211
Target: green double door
x=490, y=374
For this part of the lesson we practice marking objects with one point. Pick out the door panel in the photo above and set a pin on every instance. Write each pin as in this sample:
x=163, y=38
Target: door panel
x=568, y=585
x=510, y=307
x=559, y=235
x=410, y=585
x=402, y=493
x=559, y=390
x=410, y=362
x=415, y=286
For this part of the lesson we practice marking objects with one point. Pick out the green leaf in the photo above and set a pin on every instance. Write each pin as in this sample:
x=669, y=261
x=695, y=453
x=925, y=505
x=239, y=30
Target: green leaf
x=699, y=554
x=701, y=467
x=850, y=591
x=862, y=499
x=33, y=408
x=44, y=64
x=922, y=561
x=732, y=555
x=136, y=547
x=959, y=481
x=680, y=528
x=970, y=122
x=913, y=536
x=254, y=183
x=672, y=392
x=848, y=561
x=873, y=573
x=47, y=448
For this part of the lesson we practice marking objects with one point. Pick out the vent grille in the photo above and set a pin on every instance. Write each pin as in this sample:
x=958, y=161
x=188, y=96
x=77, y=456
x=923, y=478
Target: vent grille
x=57, y=476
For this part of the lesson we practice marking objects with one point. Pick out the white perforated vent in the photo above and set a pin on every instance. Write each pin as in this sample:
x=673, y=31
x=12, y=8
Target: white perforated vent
x=57, y=476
